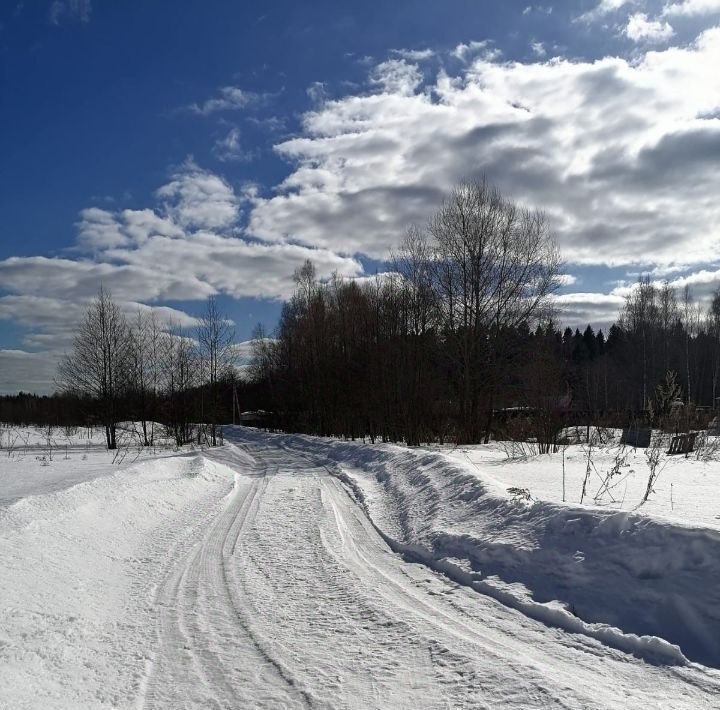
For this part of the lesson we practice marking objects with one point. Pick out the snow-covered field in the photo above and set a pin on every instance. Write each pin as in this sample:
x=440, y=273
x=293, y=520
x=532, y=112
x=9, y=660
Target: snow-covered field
x=36, y=460
x=687, y=490
x=286, y=571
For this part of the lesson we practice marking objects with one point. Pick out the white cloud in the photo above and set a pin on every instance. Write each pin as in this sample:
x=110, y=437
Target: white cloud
x=186, y=248
x=197, y=198
x=567, y=280
x=414, y=55
x=317, y=92
x=603, y=8
x=466, y=52
x=230, y=98
x=98, y=229
x=544, y=9
x=621, y=154
x=576, y=310
x=693, y=7
x=230, y=149
x=538, y=49
x=396, y=76
x=641, y=29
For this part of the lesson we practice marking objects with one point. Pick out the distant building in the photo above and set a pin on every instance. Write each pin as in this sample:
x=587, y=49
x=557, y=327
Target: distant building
x=259, y=418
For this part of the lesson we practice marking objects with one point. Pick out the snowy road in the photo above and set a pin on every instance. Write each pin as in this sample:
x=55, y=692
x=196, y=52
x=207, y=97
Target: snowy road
x=291, y=598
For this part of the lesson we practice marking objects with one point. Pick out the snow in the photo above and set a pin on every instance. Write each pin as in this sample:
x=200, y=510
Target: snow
x=687, y=490
x=287, y=571
x=36, y=460
x=78, y=566
x=638, y=583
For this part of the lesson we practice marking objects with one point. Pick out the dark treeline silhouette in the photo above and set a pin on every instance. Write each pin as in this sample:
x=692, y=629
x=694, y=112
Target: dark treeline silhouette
x=59, y=410
x=458, y=342
x=426, y=352
x=349, y=359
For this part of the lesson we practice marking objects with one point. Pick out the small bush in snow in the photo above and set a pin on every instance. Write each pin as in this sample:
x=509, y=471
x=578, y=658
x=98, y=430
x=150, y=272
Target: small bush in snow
x=520, y=493
x=654, y=456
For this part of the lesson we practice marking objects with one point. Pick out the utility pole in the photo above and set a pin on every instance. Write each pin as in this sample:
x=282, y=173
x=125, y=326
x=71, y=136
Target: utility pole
x=235, y=403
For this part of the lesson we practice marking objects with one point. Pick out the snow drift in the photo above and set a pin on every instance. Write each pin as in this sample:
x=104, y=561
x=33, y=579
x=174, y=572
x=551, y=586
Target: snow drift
x=645, y=586
x=76, y=572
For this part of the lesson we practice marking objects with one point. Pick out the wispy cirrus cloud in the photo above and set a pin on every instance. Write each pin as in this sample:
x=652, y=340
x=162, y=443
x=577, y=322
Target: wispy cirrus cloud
x=79, y=10
x=604, y=8
x=229, y=98
x=413, y=55
x=229, y=148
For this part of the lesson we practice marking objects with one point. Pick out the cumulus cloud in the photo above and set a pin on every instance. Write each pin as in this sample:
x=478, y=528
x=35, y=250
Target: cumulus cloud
x=197, y=198
x=396, y=76
x=691, y=8
x=642, y=29
x=621, y=154
x=100, y=229
x=187, y=247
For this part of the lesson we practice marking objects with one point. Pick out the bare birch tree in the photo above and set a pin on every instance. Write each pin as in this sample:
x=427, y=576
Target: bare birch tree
x=98, y=365
x=496, y=265
x=215, y=336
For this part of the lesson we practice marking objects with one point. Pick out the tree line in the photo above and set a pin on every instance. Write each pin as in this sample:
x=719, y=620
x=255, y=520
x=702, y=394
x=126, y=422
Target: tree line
x=458, y=342
x=426, y=352
x=144, y=370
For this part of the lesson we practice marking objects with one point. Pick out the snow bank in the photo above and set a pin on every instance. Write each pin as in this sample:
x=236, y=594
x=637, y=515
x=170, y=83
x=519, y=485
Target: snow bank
x=77, y=575
x=645, y=586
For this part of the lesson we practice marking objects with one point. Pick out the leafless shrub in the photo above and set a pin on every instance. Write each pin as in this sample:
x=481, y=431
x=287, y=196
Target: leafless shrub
x=611, y=478
x=519, y=449
x=655, y=463
x=589, y=463
x=707, y=448
x=520, y=493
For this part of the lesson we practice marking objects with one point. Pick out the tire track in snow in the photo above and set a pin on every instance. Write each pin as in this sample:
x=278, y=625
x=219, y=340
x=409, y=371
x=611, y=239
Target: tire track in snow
x=208, y=654
x=293, y=599
x=524, y=655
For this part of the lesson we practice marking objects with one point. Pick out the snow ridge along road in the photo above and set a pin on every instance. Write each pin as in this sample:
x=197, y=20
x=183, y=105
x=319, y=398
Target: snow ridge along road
x=291, y=598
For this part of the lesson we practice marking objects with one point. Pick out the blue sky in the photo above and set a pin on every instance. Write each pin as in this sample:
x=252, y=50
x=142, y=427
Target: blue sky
x=173, y=150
